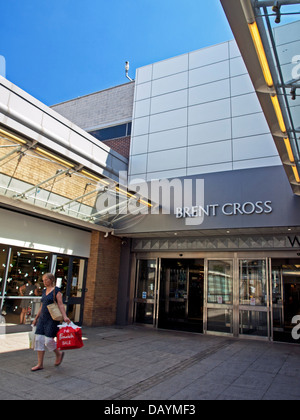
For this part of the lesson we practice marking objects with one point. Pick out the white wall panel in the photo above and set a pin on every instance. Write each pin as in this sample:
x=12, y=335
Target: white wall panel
x=141, y=126
x=171, y=66
x=144, y=74
x=209, y=132
x=139, y=145
x=209, y=74
x=209, y=56
x=142, y=108
x=209, y=112
x=210, y=153
x=143, y=91
x=170, y=84
x=209, y=92
x=254, y=147
x=204, y=116
x=241, y=85
x=169, y=102
x=245, y=104
x=249, y=125
x=237, y=67
x=168, y=120
x=167, y=160
x=138, y=164
x=170, y=139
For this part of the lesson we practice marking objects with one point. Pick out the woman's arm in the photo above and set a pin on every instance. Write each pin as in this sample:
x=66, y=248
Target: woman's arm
x=62, y=307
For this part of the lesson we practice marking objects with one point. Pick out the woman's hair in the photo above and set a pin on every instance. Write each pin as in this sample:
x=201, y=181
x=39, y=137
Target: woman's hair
x=51, y=277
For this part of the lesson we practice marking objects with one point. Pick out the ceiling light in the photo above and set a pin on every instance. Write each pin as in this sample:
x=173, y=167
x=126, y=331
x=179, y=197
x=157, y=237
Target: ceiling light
x=278, y=112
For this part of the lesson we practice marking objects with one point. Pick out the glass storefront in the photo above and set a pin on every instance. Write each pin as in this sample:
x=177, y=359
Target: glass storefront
x=21, y=285
x=242, y=297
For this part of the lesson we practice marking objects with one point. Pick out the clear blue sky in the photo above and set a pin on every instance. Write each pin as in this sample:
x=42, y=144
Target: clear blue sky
x=60, y=49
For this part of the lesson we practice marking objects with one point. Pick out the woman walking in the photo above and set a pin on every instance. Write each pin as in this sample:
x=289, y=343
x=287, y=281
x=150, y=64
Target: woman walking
x=47, y=328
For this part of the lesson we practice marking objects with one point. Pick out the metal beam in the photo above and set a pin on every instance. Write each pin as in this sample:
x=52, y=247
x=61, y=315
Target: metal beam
x=271, y=3
x=58, y=173
x=100, y=190
x=17, y=150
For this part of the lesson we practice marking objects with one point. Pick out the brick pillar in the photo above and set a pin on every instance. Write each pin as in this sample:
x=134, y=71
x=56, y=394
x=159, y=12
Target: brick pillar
x=100, y=307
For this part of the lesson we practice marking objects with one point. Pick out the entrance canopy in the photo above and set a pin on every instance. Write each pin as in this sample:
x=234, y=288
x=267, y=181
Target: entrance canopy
x=51, y=167
x=271, y=55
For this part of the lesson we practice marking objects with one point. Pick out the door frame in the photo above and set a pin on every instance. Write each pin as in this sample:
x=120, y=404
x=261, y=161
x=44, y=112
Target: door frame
x=235, y=256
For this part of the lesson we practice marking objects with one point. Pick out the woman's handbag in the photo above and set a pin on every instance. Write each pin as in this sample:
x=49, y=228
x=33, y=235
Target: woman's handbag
x=54, y=310
x=69, y=337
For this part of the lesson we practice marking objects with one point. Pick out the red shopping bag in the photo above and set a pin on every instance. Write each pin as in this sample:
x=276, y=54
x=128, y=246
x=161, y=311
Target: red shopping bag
x=69, y=337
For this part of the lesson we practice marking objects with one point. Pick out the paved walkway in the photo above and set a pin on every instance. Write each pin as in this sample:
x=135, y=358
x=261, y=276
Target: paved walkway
x=134, y=363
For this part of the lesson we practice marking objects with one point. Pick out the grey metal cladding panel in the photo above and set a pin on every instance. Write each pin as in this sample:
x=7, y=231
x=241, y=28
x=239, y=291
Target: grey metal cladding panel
x=100, y=108
x=240, y=186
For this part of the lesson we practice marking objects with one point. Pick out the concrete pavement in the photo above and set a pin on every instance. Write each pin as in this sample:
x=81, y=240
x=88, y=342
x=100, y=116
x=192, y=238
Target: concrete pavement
x=135, y=363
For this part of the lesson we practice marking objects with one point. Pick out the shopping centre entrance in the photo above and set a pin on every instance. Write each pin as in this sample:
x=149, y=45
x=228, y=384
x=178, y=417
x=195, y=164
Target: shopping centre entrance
x=238, y=296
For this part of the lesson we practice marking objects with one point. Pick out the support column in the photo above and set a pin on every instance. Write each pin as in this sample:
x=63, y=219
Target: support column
x=100, y=306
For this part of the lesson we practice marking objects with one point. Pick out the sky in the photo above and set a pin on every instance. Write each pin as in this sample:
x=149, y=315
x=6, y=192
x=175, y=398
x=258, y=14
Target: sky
x=61, y=49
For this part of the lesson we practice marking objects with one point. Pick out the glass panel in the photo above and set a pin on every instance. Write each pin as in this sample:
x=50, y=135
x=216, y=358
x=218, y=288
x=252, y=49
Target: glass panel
x=61, y=273
x=285, y=297
x=220, y=282
x=253, y=283
x=254, y=323
x=77, y=277
x=146, y=279
x=219, y=320
x=26, y=269
x=145, y=291
x=181, y=294
x=3, y=262
x=144, y=313
x=110, y=132
x=20, y=311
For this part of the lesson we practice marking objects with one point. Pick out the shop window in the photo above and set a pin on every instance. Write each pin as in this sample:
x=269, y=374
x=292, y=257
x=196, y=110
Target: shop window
x=26, y=269
x=24, y=285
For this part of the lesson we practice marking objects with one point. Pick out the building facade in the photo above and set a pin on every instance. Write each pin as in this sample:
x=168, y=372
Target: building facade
x=212, y=242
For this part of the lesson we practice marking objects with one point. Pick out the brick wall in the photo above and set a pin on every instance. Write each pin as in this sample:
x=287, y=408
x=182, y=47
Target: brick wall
x=100, y=108
x=33, y=168
x=102, y=281
x=121, y=145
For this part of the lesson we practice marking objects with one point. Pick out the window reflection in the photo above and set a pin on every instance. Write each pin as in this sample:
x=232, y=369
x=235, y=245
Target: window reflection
x=220, y=282
x=25, y=272
x=253, y=282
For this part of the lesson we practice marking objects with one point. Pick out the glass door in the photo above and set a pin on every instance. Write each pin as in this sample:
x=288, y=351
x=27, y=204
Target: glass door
x=70, y=273
x=285, y=302
x=145, y=298
x=219, y=296
x=181, y=294
x=254, y=308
